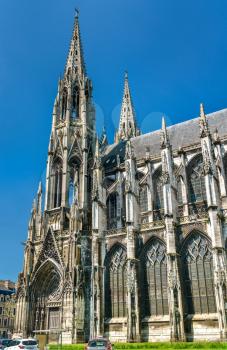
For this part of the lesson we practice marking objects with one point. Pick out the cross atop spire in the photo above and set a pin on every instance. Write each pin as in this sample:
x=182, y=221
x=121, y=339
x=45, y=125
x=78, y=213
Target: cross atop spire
x=127, y=125
x=75, y=60
x=204, y=127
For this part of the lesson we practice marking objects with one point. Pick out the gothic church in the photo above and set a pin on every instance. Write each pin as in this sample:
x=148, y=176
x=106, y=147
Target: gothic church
x=131, y=244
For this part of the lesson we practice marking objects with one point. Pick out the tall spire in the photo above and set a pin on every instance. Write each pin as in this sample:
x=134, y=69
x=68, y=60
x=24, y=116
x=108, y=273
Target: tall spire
x=127, y=125
x=75, y=60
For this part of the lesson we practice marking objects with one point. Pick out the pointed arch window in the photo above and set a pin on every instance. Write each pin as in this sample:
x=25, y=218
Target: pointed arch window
x=123, y=209
x=75, y=102
x=57, y=184
x=158, y=189
x=73, y=182
x=64, y=102
x=71, y=192
x=112, y=206
x=154, y=277
x=143, y=198
x=197, y=266
x=196, y=182
x=115, y=284
x=179, y=190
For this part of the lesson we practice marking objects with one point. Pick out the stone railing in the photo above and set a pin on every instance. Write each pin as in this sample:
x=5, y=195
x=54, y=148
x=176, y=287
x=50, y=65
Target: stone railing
x=197, y=211
x=152, y=225
x=198, y=208
x=116, y=231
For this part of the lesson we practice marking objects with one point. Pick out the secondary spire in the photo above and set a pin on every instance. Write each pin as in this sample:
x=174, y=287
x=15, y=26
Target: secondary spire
x=127, y=126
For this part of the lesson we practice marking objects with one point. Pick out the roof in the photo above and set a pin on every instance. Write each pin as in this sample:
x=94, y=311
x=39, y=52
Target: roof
x=6, y=291
x=180, y=135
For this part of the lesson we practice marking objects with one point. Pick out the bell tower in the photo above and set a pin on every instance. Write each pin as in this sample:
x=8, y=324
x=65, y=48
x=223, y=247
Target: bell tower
x=58, y=249
x=72, y=133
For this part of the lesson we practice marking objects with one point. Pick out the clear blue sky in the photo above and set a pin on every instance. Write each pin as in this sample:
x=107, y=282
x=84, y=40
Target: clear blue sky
x=175, y=52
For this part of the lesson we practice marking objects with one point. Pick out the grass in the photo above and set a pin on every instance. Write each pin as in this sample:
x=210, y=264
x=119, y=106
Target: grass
x=152, y=346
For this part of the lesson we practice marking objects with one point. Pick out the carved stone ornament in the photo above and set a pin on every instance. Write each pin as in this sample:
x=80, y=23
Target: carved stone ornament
x=156, y=254
x=128, y=177
x=21, y=292
x=129, y=153
x=220, y=277
x=54, y=219
x=95, y=188
x=68, y=285
x=118, y=259
x=198, y=249
x=131, y=277
x=49, y=251
x=207, y=166
x=165, y=178
x=172, y=279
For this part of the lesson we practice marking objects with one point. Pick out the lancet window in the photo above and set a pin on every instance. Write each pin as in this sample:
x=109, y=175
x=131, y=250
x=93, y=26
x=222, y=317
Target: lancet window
x=154, y=279
x=115, y=283
x=197, y=266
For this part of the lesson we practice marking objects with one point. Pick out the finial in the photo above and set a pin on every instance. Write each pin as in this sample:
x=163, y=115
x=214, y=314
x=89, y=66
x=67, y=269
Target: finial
x=216, y=136
x=204, y=128
x=164, y=134
x=126, y=74
x=76, y=13
x=202, y=113
x=34, y=204
x=97, y=145
x=163, y=123
x=40, y=187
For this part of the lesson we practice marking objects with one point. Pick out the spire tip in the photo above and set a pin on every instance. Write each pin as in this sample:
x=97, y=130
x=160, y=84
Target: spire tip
x=76, y=12
x=202, y=113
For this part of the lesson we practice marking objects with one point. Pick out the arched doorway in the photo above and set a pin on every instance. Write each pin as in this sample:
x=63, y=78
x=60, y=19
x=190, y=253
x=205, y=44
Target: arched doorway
x=46, y=295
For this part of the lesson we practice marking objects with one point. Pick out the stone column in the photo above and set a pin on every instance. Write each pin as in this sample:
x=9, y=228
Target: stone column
x=214, y=224
x=131, y=188
x=184, y=183
x=169, y=195
x=98, y=227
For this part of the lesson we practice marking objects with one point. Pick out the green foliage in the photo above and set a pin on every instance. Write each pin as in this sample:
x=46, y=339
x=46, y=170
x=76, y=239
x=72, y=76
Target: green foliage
x=147, y=346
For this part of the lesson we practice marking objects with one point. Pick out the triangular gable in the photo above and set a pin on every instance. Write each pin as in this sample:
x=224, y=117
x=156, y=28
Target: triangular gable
x=75, y=150
x=49, y=251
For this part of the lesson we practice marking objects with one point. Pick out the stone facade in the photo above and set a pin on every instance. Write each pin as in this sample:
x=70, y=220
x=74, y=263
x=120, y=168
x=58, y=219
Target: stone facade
x=131, y=243
x=7, y=308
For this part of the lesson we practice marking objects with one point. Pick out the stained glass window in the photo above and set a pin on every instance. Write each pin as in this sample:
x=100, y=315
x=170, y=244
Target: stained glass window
x=154, y=275
x=112, y=204
x=115, y=284
x=158, y=190
x=57, y=184
x=196, y=182
x=143, y=199
x=197, y=264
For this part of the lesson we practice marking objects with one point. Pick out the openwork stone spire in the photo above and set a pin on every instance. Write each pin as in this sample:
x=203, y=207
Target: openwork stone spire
x=75, y=61
x=127, y=125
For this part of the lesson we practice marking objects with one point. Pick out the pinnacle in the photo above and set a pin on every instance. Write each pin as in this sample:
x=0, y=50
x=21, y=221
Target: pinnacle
x=127, y=125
